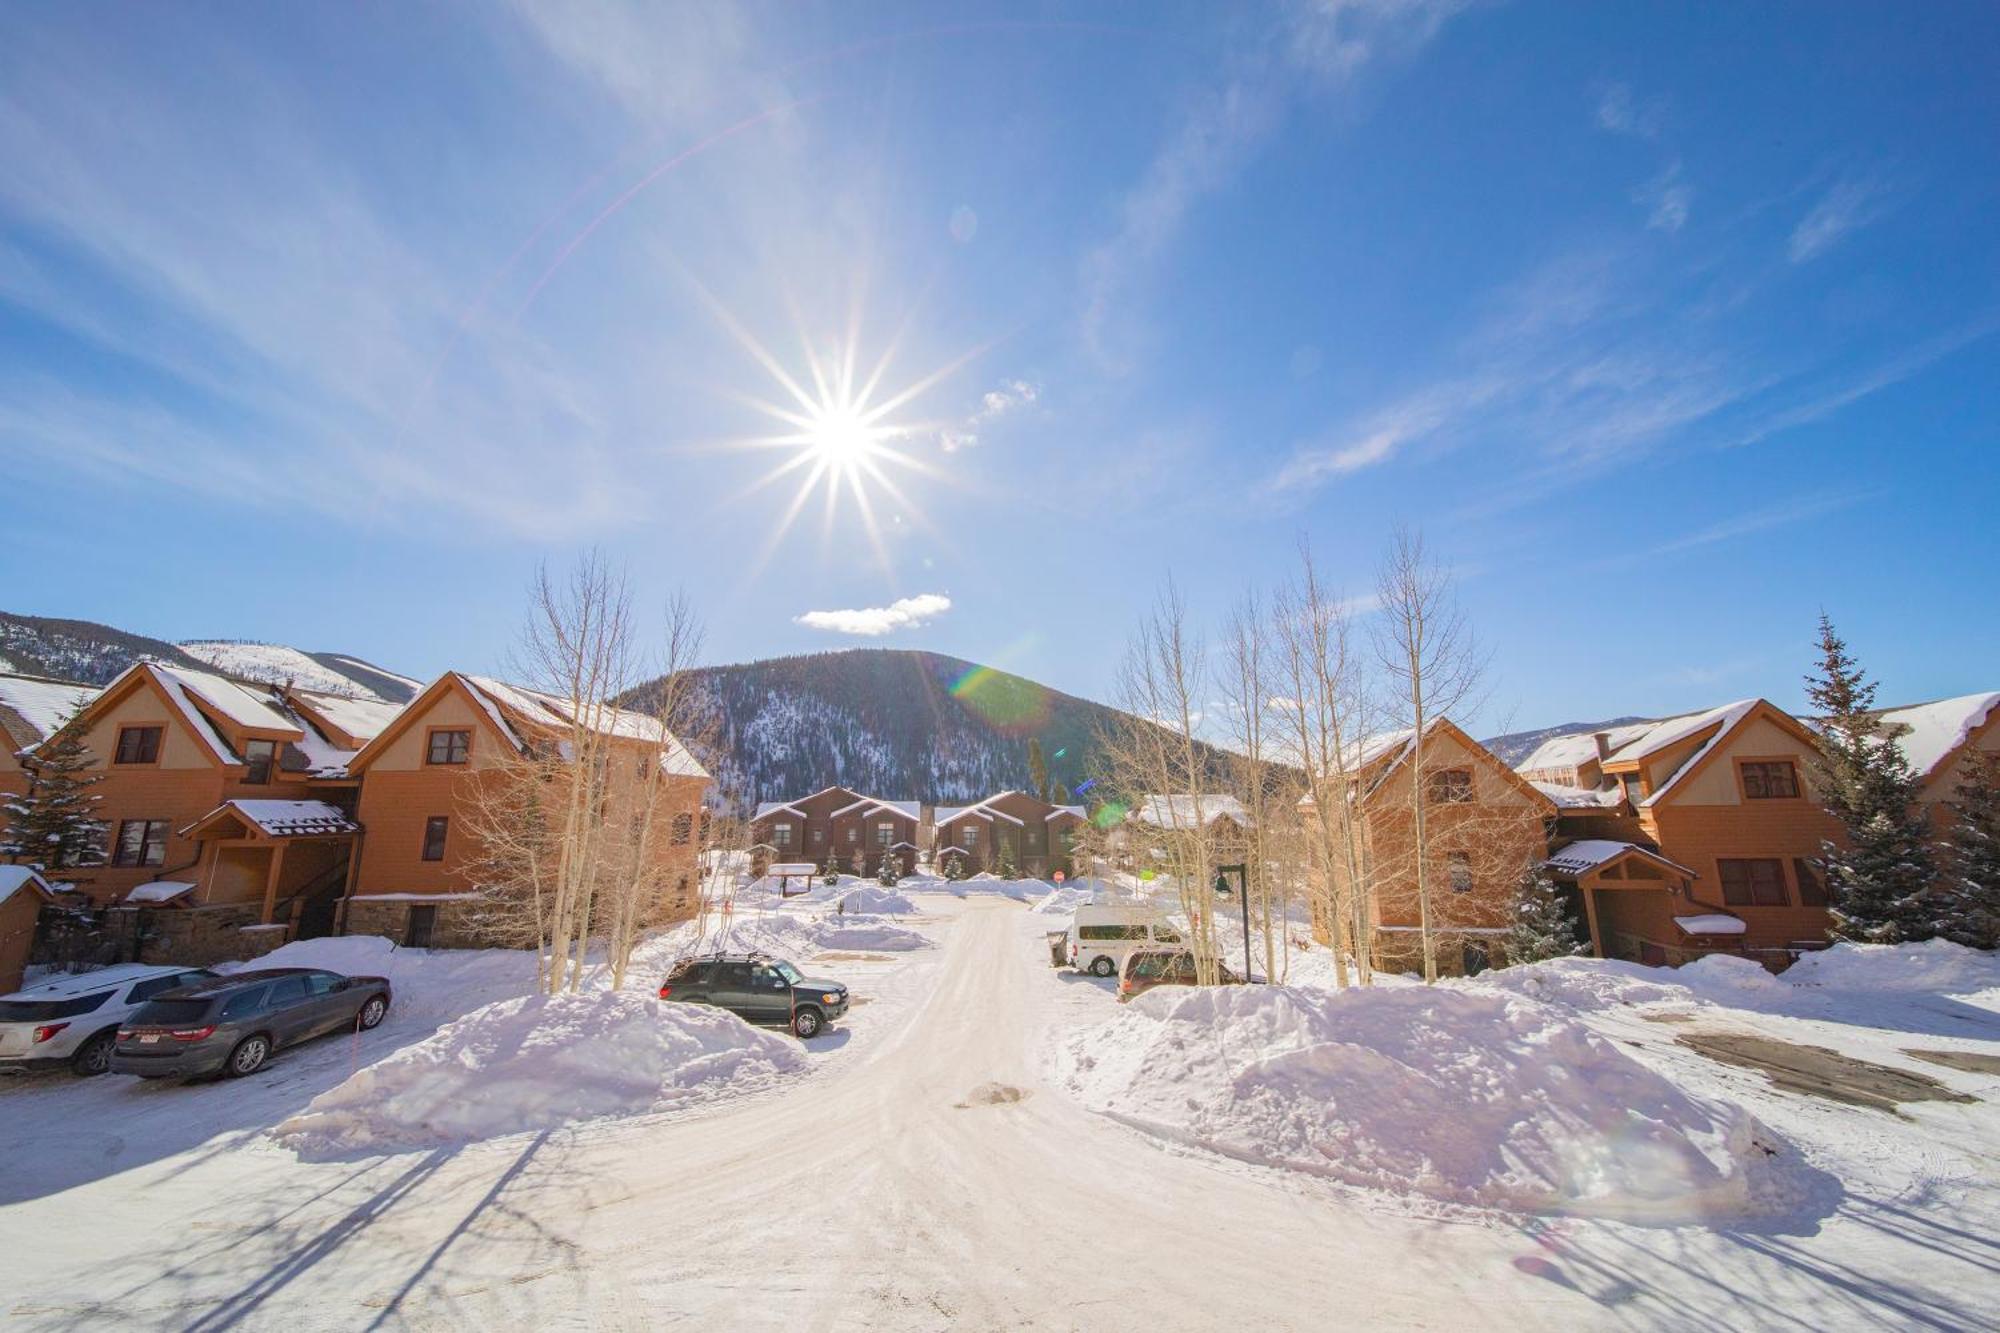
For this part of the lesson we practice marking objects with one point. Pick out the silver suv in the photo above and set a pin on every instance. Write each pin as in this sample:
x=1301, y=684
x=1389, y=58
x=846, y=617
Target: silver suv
x=73, y=1019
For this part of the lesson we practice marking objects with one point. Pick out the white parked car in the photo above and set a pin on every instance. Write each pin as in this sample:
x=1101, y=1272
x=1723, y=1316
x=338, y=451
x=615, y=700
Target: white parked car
x=1101, y=938
x=73, y=1019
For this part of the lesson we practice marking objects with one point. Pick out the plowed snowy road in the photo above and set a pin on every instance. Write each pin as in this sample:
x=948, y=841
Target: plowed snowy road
x=925, y=1177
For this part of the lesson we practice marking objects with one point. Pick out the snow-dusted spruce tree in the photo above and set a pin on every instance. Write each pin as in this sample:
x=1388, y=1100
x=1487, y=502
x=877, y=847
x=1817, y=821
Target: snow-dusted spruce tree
x=887, y=876
x=1879, y=884
x=1433, y=667
x=955, y=867
x=829, y=873
x=53, y=824
x=1038, y=770
x=1542, y=928
x=1004, y=864
x=1968, y=908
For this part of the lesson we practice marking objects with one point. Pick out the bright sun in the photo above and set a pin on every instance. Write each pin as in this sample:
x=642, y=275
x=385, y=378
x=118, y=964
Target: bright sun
x=839, y=439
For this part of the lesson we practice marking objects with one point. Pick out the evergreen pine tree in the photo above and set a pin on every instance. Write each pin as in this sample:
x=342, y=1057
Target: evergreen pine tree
x=1542, y=928
x=53, y=824
x=1004, y=864
x=1059, y=795
x=1969, y=897
x=1879, y=885
x=1038, y=770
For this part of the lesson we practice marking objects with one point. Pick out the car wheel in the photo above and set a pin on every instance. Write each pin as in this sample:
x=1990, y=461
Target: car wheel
x=373, y=1012
x=807, y=1023
x=94, y=1057
x=1101, y=967
x=248, y=1057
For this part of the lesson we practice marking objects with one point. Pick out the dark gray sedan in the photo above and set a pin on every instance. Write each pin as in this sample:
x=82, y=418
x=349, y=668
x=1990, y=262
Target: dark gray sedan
x=232, y=1024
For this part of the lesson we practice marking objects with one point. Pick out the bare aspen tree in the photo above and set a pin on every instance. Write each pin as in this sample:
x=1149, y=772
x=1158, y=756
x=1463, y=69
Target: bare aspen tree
x=1153, y=749
x=656, y=814
x=1433, y=668
x=1245, y=690
x=1323, y=710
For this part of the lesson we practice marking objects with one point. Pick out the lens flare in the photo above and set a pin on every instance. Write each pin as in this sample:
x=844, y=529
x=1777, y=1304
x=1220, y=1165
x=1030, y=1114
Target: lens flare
x=1009, y=704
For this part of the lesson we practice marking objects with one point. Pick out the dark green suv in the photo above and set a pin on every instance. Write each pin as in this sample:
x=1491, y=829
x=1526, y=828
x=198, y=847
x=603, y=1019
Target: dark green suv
x=758, y=989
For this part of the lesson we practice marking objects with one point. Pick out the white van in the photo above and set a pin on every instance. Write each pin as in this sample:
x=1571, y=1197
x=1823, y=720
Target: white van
x=1101, y=937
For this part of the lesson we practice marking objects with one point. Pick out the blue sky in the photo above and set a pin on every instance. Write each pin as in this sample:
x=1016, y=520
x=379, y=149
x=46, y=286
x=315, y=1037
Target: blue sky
x=1668, y=325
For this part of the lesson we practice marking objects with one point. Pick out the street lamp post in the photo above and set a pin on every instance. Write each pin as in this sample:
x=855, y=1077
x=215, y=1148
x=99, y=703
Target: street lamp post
x=1242, y=873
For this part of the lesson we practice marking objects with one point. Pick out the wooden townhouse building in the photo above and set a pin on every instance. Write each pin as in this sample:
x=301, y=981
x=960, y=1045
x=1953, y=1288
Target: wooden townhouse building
x=1485, y=828
x=1013, y=828
x=416, y=877
x=840, y=827
x=31, y=708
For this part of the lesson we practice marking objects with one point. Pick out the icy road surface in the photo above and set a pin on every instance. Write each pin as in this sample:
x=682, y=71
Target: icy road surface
x=925, y=1175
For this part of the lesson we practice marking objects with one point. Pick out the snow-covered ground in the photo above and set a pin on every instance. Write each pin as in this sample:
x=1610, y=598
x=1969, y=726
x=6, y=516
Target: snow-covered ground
x=935, y=1163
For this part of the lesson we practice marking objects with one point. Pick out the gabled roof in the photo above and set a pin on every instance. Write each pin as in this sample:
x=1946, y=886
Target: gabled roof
x=901, y=809
x=281, y=819
x=1931, y=733
x=202, y=697
x=1713, y=727
x=1588, y=854
x=769, y=808
x=1179, y=811
x=508, y=708
x=1066, y=812
x=1578, y=798
x=32, y=707
x=362, y=719
x=1574, y=749
x=1388, y=752
x=24, y=879
x=951, y=814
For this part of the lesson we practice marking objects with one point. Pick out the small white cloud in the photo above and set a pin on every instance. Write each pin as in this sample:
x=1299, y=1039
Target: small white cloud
x=872, y=621
x=1010, y=396
x=1668, y=199
x=1618, y=112
x=1852, y=202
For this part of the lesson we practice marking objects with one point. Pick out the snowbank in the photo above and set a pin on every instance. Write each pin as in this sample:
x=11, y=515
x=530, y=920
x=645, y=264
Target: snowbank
x=540, y=1062
x=791, y=935
x=1589, y=984
x=874, y=900
x=1063, y=901
x=1936, y=966
x=1469, y=1097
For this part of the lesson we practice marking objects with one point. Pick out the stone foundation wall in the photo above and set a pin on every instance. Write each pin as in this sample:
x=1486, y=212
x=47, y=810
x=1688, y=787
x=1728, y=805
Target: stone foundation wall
x=456, y=926
x=194, y=936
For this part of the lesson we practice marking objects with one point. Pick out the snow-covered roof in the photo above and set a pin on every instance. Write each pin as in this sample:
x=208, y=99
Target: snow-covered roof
x=1929, y=733
x=1072, y=811
x=363, y=719
x=244, y=705
x=1576, y=748
x=1711, y=923
x=159, y=891
x=950, y=814
x=41, y=704
x=16, y=879
x=773, y=807
x=1673, y=731
x=1183, y=811
x=290, y=819
x=906, y=809
x=1572, y=798
x=1589, y=853
x=546, y=710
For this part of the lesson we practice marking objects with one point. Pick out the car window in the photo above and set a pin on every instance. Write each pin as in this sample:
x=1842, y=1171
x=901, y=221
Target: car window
x=733, y=974
x=170, y=1013
x=1148, y=964
x=40, y=1011
x=1111, y=932
x=321, y=983
x=1166, y=935
x=286, y=990
x=244, y=1004
x=789, y=973
x=688, y=973
x=767, y=978
x=151, y=986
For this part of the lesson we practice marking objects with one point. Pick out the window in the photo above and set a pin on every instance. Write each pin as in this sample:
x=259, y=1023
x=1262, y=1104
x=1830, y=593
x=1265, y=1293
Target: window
x=1812, y=886
x=854, y=833
x=138, y=745
x=1461, y=872
x=1451, y=786
x=1111, y=932
x=1747, y=883
x=885, y=833
x=781, y=835
x=141, y=842
x=436, y=829
x=244, y=1004
x=731, y=976
x=286, y=990
x=321, y=983
x=1770, y=780
x=421, y=927
x=259, y=756
x=818, y=836
x=683, y=830
x=972, y=835
x=151, y=986
x=449, y=747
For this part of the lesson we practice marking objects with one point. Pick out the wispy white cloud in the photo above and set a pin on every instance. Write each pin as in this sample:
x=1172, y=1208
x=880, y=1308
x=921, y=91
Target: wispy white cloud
x=1852, y=202
x=1008, y=397
x=1620, y=112
x=1667, y=198
x=1320, y=46
x=874, y=621
x=1836, y=396
x=1795, y=510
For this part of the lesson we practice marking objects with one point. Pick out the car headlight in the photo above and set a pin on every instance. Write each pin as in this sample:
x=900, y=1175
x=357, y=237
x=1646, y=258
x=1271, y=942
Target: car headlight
x=832, y=997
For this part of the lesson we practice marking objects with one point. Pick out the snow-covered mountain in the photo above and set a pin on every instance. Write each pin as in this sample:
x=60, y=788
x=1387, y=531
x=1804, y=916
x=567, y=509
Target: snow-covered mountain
x=900, y=724
x=334, y=673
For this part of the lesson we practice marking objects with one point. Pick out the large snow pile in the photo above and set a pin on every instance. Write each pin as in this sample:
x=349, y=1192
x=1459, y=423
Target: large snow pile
x=1063, y=901
x=794, y=935
x=1936, y=966
x=874, y=900
x=1469, y=1097
x=541, y=1062
x=1590, y=983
